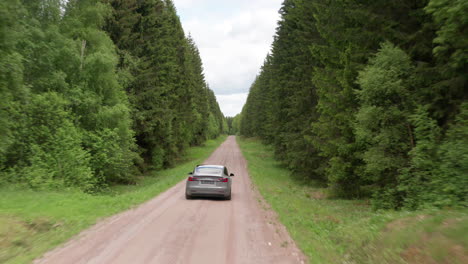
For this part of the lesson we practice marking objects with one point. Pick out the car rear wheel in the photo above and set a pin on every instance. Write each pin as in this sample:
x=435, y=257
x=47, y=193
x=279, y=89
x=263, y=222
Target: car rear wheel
x=188, y=197
x=228, y=197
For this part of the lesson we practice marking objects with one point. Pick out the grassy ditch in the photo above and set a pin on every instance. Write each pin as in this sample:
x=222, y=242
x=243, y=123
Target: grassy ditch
x=33, y=222
x=348, y=231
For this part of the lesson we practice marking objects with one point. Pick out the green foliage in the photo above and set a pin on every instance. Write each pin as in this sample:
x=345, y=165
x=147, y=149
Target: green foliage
x=283, y=92
x=233, y=124
x=452, y=39
x=48, y=152
x=11, y=70
x=213, y=127
x=33, y=222
x=337, y=230
x=451, y=185
x=415, y=180
x=450, y=57
x=342, y=105
x=77, y=112
x=173, y=106
x=382, y=123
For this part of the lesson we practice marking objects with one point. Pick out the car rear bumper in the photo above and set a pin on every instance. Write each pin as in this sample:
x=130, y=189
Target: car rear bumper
x=214, y=191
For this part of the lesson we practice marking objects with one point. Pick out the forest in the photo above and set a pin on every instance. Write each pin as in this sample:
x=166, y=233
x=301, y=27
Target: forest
x=95, y=92
x=368, y=98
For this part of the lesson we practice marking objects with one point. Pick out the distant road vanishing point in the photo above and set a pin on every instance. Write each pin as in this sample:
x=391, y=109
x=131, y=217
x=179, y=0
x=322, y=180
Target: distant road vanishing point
x=170, y=229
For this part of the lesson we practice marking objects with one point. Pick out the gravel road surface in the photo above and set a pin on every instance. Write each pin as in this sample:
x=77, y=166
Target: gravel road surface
x=170, y=229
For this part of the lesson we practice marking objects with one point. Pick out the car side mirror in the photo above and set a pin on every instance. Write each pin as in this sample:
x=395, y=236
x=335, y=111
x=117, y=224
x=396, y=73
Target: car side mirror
x=232, y=174
x=190, y=173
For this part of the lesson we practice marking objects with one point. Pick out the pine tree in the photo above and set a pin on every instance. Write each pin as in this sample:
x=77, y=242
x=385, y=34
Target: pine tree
x=373, y=123
x=282, y=100
x=70, y=98
x=165, y=80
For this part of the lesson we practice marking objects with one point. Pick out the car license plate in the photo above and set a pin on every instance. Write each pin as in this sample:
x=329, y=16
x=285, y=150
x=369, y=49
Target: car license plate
x=207, y=182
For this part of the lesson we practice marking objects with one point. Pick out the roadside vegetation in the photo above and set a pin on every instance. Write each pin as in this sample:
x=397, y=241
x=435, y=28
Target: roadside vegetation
x=32, y=222
x=368, y=98
x=332, y=230
x=96, y=92
x=97, y=98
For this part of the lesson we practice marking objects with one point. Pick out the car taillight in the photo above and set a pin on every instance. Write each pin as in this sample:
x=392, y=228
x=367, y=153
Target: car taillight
x=223, y=180
x=192, y=178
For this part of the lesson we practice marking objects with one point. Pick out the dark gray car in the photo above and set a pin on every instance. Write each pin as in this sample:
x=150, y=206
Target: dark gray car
x=209, y=181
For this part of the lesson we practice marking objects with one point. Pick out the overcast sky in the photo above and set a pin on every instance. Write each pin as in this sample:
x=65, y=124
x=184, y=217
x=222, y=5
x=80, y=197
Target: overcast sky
x=234, y=37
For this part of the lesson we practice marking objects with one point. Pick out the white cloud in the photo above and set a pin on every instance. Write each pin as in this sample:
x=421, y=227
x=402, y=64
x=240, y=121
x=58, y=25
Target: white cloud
x=233, y=37
x=230, y=103
x=187, y=3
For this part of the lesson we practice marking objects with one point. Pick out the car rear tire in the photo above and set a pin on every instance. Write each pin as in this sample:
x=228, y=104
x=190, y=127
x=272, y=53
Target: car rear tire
x=188, y=197
x=228, y=197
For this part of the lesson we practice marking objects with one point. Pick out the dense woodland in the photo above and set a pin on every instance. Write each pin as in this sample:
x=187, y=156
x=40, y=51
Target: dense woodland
x=368, y=97
x=96, y=92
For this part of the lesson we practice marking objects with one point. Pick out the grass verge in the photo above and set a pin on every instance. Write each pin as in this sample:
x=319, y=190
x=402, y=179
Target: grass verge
x=33, y=222
x=348, y=231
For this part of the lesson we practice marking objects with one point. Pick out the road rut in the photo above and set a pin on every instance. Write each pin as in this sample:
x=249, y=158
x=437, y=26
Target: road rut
x=170, y=229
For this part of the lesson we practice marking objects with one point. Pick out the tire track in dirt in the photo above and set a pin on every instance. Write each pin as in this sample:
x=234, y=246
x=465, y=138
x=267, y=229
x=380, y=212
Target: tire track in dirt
x=170, y=229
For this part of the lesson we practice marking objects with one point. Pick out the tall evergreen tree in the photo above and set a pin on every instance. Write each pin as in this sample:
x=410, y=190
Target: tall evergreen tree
x=65, y=116
x=363, y=123
x=166, y=85
x=283, y=92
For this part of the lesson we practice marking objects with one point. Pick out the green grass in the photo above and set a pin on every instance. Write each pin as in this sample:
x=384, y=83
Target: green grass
x=348, y=231
x=32, y=222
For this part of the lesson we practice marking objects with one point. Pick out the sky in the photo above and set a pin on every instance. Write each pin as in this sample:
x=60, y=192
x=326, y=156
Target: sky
x=234, y=37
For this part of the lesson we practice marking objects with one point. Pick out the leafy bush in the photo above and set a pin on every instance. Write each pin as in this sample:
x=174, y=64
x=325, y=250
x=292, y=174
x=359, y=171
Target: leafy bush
x=48, y=152
x=451, y=184
x=382, y=122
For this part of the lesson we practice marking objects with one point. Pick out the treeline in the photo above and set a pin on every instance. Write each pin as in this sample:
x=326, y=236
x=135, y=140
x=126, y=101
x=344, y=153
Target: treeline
x=369, y=97
x=96, y=92
x=233, y=124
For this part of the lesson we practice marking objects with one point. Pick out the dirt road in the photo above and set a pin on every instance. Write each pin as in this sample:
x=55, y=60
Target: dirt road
x=170, y=229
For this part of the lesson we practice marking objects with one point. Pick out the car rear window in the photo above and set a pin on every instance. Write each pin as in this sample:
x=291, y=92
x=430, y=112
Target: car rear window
x=209, y=171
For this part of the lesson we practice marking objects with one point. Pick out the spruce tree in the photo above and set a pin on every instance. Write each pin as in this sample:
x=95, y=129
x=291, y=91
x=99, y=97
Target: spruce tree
x=172, y=103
